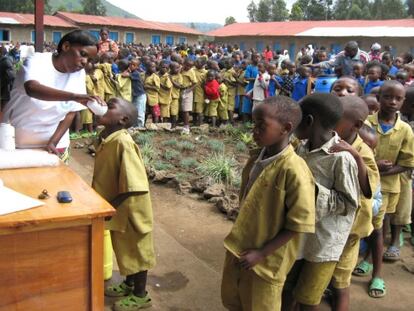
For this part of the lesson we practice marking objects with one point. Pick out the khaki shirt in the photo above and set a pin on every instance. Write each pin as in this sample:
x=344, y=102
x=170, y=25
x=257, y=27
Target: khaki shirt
x=363, y=218
x=397, y=146
x=165, y=89
x=228, y=76
x=109, y=87
x=152, y=81
x=223, y=94
x=189, y=78
x=241, y=83
x=336, y=176
x=201, y=75
x=90, y=86
x=119, y=169
x=124, y=87
x=177, y=78
x=282, y=197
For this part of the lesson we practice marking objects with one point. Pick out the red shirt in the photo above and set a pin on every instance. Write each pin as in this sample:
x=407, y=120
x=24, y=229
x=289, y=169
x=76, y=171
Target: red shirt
x=211, y=88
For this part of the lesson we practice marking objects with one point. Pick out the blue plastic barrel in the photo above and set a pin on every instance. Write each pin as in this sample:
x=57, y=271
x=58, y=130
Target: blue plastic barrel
x=324, y=83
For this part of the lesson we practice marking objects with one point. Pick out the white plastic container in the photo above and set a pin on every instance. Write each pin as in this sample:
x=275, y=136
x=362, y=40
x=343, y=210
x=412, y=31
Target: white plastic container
x=97, y=108
x=7, y=137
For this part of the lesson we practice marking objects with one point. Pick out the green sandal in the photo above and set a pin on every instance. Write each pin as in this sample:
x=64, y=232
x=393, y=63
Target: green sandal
x=363, y=268
x=377, y=284
x=118, y=290
x=133, y=303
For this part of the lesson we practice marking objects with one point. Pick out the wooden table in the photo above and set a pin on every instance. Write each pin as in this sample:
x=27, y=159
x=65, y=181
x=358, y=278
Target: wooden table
x=51, y=257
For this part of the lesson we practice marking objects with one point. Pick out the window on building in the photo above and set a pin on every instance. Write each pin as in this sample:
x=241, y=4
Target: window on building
x=129, y=37
x=259, y=46
x=169, y=40
x=277, y=46
x=156, y=39
x=95, y=33
x=292, y=50
x=4, y=35
x=113, y=35
x=56, y=36
x=33, y=36
x=336, y=48
x=242, y=46
x=182, y=40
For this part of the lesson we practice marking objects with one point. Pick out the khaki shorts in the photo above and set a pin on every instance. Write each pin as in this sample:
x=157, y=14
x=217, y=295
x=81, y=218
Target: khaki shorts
x=211, y=108
x=346, y=264
x=231, y=102
x=186, y=101
x=245, y=290
x=198, y=107
x=165, y=110
x=134, y=251
x=222, y=111
x=313, y=280
x=389, y=204
x=402, y=215
x=174, y=107
x=86, y=116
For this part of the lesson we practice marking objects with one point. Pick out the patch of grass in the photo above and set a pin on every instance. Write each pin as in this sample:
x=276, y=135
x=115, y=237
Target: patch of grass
x=215, y=145
x=233, y=131
x=186, y=145
x=188, y=163
x=170, y=142
x=144, y=138
x=241, y=146
x=246, y=138
x=149, y=154
x=220, y=168
x=182, y=177
x=170, y=154
x=163, y=166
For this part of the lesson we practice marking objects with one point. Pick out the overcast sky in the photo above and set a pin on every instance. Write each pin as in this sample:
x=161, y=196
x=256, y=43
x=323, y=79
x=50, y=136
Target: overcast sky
x=206, y=11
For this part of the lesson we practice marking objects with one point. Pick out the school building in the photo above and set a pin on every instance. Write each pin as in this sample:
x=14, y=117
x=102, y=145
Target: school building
x=293, y=35
x=18, y=27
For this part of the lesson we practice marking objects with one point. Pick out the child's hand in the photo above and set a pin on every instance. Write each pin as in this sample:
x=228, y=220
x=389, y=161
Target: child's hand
x=250, y=258
x=384, y=165
x=51, y=148
x=342, y=145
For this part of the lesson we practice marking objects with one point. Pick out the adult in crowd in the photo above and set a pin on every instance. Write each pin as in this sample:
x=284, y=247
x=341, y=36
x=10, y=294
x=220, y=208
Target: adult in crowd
x=107, y=45
x=268, y=54
x=375, y=53
x=345, y=59
x=48, y=91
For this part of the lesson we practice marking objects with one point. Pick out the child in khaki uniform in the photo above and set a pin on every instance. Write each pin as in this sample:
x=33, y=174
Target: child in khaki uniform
x=177, y=82
x=187, y=93
x=394, y=155
x=229, y=78
x=355, y=113
x=165, y=91
x=108, y=81
x=123, y=81
x=222, y=108
x=277, y=204
x=212, y=91
x=120, y=178
x=198, y=107
x=152, y=87
x=336, y=176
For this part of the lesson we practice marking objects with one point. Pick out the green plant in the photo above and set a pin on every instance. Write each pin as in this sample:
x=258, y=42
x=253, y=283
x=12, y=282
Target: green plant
x=170, y=142
x=215, y=145
x=233, y=131
x=163, y=166
x=186, y=145
x=246, y=138
x=188, y=163
x=219, y=167
x=241, y=146
x=180, y=177
x=144, y=138
x=171, y=154
x=149, y=154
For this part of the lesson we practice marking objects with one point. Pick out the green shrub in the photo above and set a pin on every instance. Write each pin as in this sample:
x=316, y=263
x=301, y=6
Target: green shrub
x=188, y=163
x=149, y=154
x=163, y=166
x=215, y=145
x=241, y=146
x=143, y=138
x=182, y=177
x=171, y=154
x=246, y=138
x=219, y=167
x=170, y=142
x=186, y=145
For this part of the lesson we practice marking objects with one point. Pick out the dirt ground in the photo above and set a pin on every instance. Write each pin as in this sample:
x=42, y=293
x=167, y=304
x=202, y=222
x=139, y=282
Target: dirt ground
x=189, y=244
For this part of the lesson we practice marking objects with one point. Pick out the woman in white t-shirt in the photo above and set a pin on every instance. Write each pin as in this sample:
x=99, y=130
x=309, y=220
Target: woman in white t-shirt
x=48, y=91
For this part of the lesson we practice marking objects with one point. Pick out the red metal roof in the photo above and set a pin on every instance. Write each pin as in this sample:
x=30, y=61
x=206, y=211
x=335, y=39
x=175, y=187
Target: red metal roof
x=124, y=22
x=292, y=28
x=28, y=19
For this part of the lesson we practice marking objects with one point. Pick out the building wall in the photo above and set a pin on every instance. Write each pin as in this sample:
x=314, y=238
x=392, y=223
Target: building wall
x=399, y=45
x=19, y=33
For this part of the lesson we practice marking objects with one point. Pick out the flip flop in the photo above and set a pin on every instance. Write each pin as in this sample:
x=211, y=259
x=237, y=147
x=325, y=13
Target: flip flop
x=364, y=268
x=118, y=290
x=74, y=135
x=377, y=284
x=392, y=254
x=133, y=303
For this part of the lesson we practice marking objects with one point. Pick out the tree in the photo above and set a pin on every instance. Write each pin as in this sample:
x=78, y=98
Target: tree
x=192, y=25
x=279, y=11
x=22, y=6
x=410, y=7
x=93, y=7
x=296, y=14
x=355, y=12
x=263, y=11
x=229, y=20
x=251, y=11
x=393, y=9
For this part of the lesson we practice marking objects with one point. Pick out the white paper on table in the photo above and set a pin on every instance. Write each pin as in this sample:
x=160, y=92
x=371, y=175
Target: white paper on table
x=12, y=201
